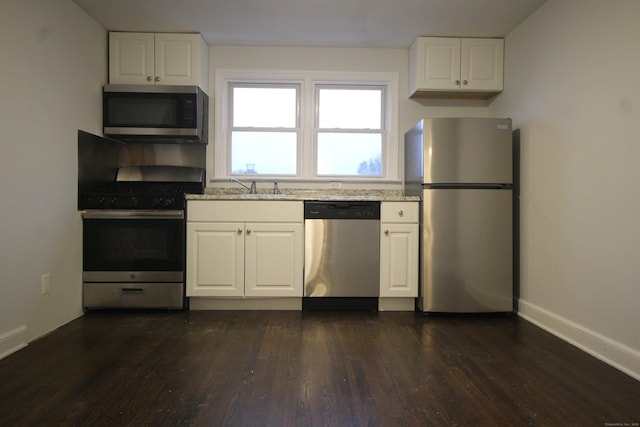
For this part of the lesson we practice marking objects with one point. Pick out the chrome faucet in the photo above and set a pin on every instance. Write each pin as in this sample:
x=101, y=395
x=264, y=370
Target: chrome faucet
x=251, y=189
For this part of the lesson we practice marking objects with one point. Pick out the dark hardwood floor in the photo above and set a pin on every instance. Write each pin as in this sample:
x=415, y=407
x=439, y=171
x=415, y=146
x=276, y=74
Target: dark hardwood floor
x=309, y=369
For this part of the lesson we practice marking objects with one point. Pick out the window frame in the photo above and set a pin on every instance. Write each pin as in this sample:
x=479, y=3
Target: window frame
x=218, y=159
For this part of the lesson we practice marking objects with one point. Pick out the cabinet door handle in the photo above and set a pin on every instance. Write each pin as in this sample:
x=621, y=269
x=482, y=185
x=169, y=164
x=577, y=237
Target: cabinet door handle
x=157, y=78
x=400, y=212
x=457, y=82
x=148, y=78
x=464, y=82
x=239, y=230
x=248, y=231
x=386, y=232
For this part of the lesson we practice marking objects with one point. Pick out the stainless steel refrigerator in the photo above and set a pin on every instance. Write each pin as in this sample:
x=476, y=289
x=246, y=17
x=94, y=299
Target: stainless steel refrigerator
x=462, y=168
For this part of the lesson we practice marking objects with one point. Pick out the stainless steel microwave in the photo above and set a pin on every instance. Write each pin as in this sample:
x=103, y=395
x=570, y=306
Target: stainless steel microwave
x=155, y=113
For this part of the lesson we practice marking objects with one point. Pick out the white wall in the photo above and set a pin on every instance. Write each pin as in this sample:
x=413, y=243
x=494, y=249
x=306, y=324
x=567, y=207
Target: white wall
x=338, y=59
x=53, y=69
x=572, y=71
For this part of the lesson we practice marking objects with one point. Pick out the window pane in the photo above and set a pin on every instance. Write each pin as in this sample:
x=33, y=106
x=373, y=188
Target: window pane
x=357, y=154
x=350, y=108
x=264, y=107
x=263, y=153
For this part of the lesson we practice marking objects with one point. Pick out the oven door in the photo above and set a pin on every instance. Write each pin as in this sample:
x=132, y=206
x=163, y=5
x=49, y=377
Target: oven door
x=133, y=259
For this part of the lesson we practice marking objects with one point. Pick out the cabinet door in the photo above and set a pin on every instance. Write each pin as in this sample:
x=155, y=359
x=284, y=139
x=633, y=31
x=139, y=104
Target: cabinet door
x=177, y=59
x=399, y=260
x=274, y=259
x=438, y=63
x=481, y=64
x=131, y=58
x=215, y=259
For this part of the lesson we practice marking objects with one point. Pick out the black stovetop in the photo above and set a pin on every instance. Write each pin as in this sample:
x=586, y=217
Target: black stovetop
x=140, y=195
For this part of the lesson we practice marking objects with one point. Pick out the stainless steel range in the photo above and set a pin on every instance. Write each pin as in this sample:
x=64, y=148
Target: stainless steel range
x=133, y=208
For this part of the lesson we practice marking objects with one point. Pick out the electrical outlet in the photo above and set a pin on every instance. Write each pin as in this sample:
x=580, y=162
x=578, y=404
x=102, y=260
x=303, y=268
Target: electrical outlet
x=45, y=283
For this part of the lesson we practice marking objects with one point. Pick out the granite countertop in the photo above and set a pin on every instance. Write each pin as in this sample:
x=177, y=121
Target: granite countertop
x=302, y=194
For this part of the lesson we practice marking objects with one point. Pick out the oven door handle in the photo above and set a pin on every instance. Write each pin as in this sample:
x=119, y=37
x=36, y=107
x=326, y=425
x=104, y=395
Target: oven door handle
x=131, y=214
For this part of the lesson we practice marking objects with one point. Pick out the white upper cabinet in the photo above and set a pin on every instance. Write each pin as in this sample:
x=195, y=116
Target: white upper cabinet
x=161, y=58
x=436, y=64
x=445, y=67
x=131, y=58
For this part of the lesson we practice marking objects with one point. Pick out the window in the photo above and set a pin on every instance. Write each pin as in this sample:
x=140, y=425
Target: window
x=306, y=126
x=350, y=131
x=264, y=129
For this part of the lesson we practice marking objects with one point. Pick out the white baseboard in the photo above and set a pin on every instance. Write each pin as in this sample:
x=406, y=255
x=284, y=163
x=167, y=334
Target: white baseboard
x=203, y=303
x=599, y=346
x=13, y=341
x=396, y=304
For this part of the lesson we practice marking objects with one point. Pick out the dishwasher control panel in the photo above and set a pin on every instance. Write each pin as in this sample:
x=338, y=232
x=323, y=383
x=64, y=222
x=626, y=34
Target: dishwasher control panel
x=342, y=210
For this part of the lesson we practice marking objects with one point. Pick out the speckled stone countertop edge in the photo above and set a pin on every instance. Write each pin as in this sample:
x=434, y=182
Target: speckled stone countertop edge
x=294, y=194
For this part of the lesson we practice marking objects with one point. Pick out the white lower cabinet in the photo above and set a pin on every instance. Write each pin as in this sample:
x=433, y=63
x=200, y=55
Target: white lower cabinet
x=255, y=249
x=273, y=260
x=258, y=255
x=399, y=249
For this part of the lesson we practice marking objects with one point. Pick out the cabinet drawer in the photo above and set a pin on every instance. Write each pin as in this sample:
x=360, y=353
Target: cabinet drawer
x=399, y=212
x=245, y=211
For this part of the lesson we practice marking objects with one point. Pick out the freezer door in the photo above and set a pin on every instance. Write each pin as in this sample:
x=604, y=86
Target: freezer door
x=467, y=256
x=467, y=150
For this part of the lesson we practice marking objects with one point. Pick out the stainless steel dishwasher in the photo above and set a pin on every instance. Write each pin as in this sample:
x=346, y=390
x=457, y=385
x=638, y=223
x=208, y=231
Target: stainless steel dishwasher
x=342, y=255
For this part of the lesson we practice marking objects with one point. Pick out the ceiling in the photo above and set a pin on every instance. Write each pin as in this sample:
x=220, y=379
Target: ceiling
x=336, y=23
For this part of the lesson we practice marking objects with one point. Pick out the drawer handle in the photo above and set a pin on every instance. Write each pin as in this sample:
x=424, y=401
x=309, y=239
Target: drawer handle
x=400, y=212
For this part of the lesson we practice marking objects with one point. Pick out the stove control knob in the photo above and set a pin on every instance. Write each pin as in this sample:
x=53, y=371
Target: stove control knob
x=156, y=202
x=168, y=202
x=111, y=202
x=134, y=202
